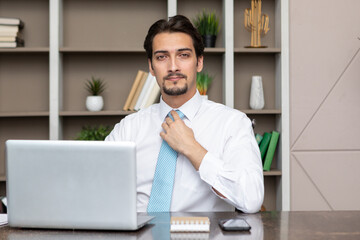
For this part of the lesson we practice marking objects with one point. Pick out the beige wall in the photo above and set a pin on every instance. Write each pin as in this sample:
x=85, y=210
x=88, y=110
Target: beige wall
x=325, y=104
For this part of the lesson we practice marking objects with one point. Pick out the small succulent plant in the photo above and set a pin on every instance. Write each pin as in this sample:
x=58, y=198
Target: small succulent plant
x=95, y=86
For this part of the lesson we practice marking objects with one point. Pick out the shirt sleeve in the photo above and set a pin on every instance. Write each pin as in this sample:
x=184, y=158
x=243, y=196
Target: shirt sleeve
x=238, y=173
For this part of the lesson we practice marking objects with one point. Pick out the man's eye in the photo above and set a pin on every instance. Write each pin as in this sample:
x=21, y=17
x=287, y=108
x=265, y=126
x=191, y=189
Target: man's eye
x=184, y=55
x=160, y=57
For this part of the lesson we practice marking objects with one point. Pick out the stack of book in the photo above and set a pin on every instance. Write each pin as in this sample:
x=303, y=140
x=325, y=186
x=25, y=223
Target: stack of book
x=267, y=144
x=144, y=92
x=10, y=32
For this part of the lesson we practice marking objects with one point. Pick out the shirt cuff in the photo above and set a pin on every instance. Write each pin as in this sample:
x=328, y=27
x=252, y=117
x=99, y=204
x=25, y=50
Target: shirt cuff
x=209, y=169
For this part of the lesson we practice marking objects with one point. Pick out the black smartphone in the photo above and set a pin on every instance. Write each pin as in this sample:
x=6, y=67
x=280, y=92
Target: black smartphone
x=234, y=224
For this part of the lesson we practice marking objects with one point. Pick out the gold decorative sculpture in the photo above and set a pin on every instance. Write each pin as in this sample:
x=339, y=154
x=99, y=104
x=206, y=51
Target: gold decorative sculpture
x=256, y=23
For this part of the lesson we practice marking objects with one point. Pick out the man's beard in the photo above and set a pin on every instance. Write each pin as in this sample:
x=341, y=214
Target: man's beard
x=175, y=91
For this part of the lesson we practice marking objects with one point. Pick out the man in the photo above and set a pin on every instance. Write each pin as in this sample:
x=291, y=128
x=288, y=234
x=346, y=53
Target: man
x=218, y=164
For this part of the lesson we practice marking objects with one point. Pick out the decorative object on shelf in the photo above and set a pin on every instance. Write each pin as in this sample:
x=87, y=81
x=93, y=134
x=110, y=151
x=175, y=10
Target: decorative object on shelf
x=203, y=81
x=95, y=87
x=256, y=23
x=96, y=133
x=208, y=26
x=257, y=93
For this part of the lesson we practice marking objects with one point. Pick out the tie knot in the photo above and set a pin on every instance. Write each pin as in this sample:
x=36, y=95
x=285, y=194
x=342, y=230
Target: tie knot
x=181, y=115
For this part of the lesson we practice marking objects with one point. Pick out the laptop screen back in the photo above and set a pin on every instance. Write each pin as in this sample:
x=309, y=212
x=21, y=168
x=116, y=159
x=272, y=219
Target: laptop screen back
x=71, y=184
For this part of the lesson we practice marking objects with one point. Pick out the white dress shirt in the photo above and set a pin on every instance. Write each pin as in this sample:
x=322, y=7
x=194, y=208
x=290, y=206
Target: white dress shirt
x=232, y=164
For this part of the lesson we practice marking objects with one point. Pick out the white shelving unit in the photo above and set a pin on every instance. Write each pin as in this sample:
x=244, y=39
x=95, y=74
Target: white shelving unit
x=66, y=53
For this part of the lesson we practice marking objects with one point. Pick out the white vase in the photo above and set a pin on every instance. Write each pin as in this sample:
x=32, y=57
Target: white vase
x=205, y=97
x=94, y=103
x=257, y=93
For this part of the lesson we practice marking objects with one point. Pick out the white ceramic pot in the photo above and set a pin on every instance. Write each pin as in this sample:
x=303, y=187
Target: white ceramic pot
x=205, y=97
x=257, y=93
x=94, y=103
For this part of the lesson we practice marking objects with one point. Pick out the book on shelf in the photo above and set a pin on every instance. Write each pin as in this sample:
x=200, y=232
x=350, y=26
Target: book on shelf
x=11, y=44
x=264, y=144
x=10, y=39
x=143, y=92
x=271, y=150
x=133, y=89
x=9, y=28
x=11, y=21
x=153, y=96
x=148, y=92
x=138, y=91
x=9, y=32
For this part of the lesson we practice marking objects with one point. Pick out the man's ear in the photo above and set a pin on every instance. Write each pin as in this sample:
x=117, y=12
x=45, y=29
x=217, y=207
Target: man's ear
x=151, y=68
x=200, y=63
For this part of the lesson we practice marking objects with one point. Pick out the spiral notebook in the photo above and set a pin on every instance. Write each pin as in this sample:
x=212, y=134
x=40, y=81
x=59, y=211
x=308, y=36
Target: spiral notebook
x=189, y=224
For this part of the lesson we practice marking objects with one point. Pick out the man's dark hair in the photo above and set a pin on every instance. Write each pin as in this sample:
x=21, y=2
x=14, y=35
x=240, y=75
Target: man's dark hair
x=178, y=23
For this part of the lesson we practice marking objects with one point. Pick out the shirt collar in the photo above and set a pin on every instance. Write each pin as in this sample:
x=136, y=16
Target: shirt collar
x=189, y=109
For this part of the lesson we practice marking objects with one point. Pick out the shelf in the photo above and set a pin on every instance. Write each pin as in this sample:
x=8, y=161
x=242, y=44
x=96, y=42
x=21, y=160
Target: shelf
x=25, y=50
x=100, y=50
x=257, y=50
x=100, y=113
x=24, y=114
x=137, y=50
x=116, y=54
x=119, y=50
x=263, y=111
x=273, y=172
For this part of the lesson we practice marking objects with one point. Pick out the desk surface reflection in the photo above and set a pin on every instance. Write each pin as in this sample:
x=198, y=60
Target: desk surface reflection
x=265, y=225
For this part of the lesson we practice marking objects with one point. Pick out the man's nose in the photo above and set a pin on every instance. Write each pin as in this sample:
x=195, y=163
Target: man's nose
x=173, y=65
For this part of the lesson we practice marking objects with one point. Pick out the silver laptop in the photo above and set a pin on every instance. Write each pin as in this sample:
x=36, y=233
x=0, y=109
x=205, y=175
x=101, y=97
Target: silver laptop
x=72, y=185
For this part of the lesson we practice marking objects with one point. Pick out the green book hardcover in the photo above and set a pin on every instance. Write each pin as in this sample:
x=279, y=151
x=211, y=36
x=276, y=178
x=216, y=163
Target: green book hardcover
x=264, y=144
x=258, y=138
x=271, y=150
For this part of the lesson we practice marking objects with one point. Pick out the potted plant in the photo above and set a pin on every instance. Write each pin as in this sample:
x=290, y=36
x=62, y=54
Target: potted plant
x=208, y=26
x=95, y=87
x=96, y=133
x=203, y=81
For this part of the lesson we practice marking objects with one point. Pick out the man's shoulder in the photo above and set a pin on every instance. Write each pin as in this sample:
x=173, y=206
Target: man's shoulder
x=226, y=118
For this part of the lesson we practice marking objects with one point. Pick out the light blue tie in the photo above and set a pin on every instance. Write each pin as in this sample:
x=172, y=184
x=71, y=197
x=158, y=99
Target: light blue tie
x=161, y=191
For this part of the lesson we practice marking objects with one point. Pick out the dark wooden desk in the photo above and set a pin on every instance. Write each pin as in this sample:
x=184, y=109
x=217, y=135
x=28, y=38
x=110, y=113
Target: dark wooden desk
x=266, y=225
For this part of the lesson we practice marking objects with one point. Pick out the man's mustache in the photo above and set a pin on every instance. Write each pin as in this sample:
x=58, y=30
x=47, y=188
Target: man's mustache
x=167, y=77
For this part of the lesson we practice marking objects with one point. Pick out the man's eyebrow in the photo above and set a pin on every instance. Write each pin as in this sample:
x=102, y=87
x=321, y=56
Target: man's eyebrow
x=184, y=49
x=178, y=50
x=161, y=51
